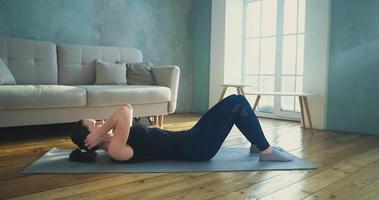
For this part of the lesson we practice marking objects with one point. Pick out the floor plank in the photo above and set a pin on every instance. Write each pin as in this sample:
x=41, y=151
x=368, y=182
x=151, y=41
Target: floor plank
x=256, y=188
x=348, y=167
x=350, y=185
x=369, y=192
x=336, y=172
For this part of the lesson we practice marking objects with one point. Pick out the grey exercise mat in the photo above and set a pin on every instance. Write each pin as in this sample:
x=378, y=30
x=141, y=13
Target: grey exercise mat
x=227, y=159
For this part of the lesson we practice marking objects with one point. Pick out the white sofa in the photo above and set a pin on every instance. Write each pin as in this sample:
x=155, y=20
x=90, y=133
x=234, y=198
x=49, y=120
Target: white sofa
x=55, y=84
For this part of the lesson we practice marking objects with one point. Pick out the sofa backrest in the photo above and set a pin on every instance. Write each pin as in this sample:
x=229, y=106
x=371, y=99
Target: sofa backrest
x=76, y=62
x=30, y=61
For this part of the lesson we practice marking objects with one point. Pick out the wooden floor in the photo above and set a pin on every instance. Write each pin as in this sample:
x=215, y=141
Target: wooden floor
x=348, y=168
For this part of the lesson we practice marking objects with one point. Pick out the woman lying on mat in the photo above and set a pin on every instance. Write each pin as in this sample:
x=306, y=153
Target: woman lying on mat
x=128, y=142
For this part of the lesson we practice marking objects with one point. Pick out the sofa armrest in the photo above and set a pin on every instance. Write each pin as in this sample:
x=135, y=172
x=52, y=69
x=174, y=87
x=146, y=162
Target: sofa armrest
x=168, y=76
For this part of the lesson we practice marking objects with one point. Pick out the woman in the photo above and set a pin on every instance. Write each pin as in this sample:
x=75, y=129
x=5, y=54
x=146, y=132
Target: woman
x=127, y=142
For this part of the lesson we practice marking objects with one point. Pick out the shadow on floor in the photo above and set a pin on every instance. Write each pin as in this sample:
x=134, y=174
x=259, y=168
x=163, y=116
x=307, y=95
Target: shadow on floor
x=11, y=134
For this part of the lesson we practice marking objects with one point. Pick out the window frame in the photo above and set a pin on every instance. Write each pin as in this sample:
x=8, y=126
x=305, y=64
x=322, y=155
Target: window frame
x=277, y=111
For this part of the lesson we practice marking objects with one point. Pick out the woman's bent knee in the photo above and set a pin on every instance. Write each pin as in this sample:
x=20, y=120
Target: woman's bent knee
x=230, y=97
x=242, y=99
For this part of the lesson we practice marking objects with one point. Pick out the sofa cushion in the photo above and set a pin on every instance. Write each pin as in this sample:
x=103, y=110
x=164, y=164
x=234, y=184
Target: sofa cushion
x=110, y=73
x=41, y=96
x=76, y=66
x=105, y=95
x=140, y=74
x=30, y=62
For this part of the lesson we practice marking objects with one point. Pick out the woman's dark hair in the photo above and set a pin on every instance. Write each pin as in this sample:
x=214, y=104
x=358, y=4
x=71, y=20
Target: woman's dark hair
x=78, y=134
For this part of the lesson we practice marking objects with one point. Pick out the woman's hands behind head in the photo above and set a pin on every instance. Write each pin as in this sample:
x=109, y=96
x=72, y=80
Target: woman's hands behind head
x=100, y=122
x=93, y=139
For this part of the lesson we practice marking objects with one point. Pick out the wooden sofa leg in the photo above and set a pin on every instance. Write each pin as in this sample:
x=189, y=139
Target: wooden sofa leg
x=156, y=118
x=160, y=120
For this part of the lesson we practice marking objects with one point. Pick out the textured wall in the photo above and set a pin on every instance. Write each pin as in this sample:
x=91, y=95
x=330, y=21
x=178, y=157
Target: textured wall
x=201, y=54
x=162, y=29
x=353, y=92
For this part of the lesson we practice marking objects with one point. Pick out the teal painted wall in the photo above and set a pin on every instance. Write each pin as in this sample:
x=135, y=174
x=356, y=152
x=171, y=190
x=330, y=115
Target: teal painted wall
x=162, y=29
x=201, y=54
x=353, y=86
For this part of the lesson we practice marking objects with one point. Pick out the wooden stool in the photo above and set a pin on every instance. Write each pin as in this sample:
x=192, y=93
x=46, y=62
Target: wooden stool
x=303, y=100
x=239, y=88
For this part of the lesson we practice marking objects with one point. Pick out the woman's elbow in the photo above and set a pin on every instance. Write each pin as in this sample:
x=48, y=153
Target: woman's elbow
x=127, y=108
x=126, y=111
x=118, y=157
x=119, y=153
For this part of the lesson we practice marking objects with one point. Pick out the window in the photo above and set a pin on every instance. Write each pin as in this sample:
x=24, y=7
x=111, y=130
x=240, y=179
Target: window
x=274, y=53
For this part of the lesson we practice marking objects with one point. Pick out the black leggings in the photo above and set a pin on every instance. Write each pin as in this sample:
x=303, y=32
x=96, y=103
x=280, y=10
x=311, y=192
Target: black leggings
x=206, y=137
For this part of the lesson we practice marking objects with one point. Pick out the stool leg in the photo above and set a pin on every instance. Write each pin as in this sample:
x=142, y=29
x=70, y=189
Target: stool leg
x=256, y=102
x=223, y=93
x=242, y=92
x=308, y=112
x=238, y=90
x=302, y=111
